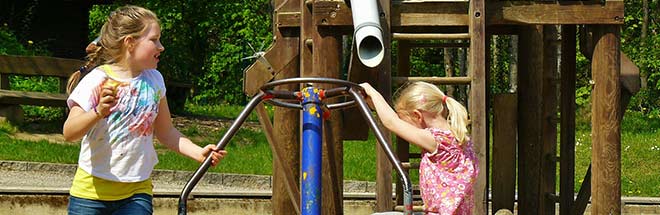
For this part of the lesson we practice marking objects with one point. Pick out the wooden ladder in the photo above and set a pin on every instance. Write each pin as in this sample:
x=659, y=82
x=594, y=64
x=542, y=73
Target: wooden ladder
x=475, y=79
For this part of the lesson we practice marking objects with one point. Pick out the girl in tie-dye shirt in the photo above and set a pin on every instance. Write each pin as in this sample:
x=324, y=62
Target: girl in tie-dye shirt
x=115, y=110
x=428, y=118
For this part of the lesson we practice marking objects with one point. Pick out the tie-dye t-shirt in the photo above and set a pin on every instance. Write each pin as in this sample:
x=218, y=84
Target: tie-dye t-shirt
x=120, y=146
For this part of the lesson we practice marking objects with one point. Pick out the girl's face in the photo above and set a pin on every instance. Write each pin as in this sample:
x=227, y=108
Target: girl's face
x=146, y=50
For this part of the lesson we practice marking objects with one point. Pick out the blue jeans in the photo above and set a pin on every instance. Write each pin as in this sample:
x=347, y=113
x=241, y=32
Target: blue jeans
x=138, y=204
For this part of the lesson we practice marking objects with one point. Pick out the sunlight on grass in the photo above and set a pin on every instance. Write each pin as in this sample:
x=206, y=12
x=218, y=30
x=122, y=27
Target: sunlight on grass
x=223, y=111
x=41, y=151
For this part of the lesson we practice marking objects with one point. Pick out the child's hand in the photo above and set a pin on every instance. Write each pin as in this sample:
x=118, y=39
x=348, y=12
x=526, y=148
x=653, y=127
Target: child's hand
x=368, y=90
x=216, y=155
x=107, y=100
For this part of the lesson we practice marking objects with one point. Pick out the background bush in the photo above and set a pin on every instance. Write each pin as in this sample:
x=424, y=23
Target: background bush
x=204, y=42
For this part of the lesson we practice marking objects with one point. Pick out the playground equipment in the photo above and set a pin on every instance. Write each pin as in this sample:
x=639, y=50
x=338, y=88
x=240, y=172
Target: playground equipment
x=308, y=40
x=368, y=33
x=310, y=101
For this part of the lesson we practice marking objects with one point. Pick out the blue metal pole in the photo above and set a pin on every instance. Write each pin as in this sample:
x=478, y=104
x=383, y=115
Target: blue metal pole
x=311, y=152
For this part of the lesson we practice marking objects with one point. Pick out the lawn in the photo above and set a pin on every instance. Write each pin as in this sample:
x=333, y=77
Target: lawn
x=250, y=153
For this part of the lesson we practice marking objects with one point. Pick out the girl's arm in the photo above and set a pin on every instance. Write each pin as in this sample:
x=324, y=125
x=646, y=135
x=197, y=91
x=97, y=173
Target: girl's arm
x=391, y=121
x=79, y=122
x=174, y=140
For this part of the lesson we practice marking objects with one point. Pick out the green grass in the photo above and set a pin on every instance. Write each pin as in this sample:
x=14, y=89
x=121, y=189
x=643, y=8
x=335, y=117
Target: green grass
x=640, y=149
x=249, y=152
x=223, y=111
x=40, y=151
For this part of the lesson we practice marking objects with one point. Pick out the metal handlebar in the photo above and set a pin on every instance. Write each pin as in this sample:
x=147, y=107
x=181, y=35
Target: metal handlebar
x=280, y=98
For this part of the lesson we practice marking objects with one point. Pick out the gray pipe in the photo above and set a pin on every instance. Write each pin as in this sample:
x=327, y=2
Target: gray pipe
x=368, y=35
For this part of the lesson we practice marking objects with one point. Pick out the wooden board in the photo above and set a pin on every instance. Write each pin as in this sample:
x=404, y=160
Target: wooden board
x=478, y=100
x=568, y=107
x=549, y=122
x=606, y=121
x=505, y=139
x=530, y=104
x=32, y=98
x=383, y=166
x=39, y=65
x=336, y=13
x=286, y=121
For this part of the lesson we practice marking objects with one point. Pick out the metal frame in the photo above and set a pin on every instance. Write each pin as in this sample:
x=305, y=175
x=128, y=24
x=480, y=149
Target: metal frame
x=313, y=157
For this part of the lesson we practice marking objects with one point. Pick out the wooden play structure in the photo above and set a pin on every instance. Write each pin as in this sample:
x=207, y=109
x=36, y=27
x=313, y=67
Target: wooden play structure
x=308, y=43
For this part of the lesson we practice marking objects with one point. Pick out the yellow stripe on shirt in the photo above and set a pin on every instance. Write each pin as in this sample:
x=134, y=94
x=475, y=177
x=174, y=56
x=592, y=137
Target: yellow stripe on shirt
x=88, y=186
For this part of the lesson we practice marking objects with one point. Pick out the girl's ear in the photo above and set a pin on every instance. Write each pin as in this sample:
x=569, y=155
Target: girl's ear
x=129, y=43
x=417, y=116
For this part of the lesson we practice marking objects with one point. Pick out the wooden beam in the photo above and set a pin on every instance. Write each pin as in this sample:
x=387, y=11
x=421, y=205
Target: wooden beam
x=555, y=13
x=505, y=138
x=290, y=182
x=549, y=123
x=402, y=146
x=383, y=166
x=430, y=14
x=287, y=19
x=582, y=199
x=326, y=47
x=606, y=121
x=435, y=14
x=282, y=53
x=434, y=80
x=39, y=65
x=286, y=122
x=478, y=105
x=568, y=107
x=530, y=104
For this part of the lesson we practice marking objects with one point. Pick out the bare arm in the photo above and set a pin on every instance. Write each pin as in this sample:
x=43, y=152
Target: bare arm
x=79, y=122
x=391, y=121
x=169, y=136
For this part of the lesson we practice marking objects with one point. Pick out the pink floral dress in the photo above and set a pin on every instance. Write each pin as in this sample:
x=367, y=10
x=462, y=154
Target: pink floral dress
x=447, y=176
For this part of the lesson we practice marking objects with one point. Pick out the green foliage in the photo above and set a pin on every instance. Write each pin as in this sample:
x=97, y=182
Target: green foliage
x=10, y=44
x=500, y=69
x=644, y=52
x=204, y=42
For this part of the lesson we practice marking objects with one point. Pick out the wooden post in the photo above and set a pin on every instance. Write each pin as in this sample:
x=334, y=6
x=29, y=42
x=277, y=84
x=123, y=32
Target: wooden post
x=286, y=121
x=568, y=106
x=383, y=166
x=326, y=63
x=549, y=123
x=478, y=103
x=530, y=104
x=606, y=121
x=402, y=147
x=505, y=127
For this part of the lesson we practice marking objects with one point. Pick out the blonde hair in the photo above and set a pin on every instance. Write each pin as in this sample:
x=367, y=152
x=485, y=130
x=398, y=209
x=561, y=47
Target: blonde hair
x=428, y=97
x=125, y=21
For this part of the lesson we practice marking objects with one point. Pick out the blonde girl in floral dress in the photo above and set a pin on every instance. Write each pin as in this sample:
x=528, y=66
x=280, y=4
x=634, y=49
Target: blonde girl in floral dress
x=428, y=118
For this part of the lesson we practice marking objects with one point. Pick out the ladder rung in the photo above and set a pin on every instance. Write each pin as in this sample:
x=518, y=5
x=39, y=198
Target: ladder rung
x=425, y=1
x=416, y=208
x=430, y=36
x=439, y=45
x=408, y=165
x=434, y=80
